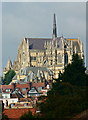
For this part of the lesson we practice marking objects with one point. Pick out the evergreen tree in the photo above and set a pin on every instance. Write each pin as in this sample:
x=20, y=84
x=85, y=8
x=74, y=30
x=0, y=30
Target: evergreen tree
x=67, y=98
x=75, y=72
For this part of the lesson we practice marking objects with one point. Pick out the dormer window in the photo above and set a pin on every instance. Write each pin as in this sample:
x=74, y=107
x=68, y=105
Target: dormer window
x=16, y=89
x=25, y=104
x=40, y=88
x=23, y=89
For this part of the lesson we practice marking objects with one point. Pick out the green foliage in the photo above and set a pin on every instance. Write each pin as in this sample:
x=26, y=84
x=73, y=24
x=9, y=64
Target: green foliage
x=68, y=98
x=4, y=117
x=65, y=102
x=75, y=72
x=8, y=76
x=42, y=97
x=27, y=116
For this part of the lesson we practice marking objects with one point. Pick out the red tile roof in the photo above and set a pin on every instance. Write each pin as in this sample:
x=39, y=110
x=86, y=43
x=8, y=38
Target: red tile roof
x=38, y=84
x=22, y=86
x=6, y=87
x=15, y=114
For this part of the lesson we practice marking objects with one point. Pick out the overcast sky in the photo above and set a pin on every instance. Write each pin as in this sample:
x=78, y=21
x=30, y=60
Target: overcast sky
x=25, y=19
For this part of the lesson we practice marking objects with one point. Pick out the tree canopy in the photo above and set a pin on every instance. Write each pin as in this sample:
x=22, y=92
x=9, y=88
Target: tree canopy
x=68, y=98
x=74, y=73
x=27, y=116
x=8, y=76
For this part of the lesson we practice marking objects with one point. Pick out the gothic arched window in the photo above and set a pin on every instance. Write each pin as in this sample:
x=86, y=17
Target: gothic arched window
x=65, y=58
x=59, y=58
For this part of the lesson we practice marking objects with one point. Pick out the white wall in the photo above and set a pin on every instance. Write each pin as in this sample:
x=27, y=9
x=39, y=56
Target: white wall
x=6, y=95
x=10, y=100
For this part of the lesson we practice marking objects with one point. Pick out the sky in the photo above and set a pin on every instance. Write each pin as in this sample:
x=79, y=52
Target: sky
x=35, y=20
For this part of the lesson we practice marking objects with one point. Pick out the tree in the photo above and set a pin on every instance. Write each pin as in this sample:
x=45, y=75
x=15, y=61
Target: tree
x=74, y=73
x=64, y=102
x=4, y=117
x=8, y=76
x=27, y=116
x=67, y=98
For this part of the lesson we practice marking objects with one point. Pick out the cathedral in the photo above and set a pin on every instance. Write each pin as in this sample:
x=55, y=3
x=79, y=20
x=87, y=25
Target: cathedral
x=53, y=53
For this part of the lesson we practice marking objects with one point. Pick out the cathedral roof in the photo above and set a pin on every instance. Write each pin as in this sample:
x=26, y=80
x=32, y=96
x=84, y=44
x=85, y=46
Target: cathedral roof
x=38, y=43
x=34, y=69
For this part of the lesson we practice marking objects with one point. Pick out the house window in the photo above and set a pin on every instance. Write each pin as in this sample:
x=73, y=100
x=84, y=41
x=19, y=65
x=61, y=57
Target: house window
x=12, y=101
x=7, y=90
x=25, y=104
x=32, y=90
x=12, y=104
x=5, y=96
x=23, y=89
x=16, y=89
x=39, y=88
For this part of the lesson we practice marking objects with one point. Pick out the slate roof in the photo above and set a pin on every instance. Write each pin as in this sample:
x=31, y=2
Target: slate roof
x=35, y=69
x=26, y=70
x=38, y=43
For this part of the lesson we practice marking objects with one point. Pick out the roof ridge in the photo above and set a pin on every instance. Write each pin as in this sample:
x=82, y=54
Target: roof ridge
x=42, y=38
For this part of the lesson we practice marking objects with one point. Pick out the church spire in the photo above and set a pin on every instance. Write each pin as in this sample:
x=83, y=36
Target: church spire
x=9, y=65
x=54, y=27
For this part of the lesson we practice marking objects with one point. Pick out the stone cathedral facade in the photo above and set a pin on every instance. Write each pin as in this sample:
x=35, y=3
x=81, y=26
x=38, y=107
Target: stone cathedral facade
x=54, y=53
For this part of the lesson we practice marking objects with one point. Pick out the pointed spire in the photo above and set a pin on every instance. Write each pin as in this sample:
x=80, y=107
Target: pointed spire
x=9, y=64
x=54, y=27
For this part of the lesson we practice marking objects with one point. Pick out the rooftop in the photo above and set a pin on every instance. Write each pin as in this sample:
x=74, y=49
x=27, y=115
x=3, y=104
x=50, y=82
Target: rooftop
x=17, y=113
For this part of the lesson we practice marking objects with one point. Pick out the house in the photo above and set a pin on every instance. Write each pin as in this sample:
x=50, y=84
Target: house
x=9, y=95
x=23, y=88
x=7, y=88
x=9, y=100
x=33, y=92
x=27, y=104
x=12, y=93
